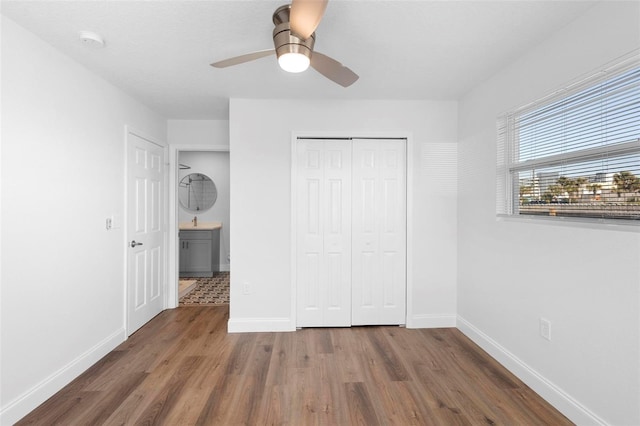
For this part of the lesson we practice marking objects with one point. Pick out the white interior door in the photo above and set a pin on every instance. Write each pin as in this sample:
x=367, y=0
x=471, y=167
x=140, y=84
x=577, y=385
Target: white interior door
x=379, y=232
x=145, y=243
x=323, y=258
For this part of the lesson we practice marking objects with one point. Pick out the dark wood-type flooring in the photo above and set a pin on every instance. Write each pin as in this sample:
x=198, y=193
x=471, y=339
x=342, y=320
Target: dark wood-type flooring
x=183, y=368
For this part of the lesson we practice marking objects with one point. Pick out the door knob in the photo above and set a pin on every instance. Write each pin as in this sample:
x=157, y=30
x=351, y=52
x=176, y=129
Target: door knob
x=133, y=243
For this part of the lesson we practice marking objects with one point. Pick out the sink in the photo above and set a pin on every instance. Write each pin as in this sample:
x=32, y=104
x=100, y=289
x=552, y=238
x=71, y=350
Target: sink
x=202, y=226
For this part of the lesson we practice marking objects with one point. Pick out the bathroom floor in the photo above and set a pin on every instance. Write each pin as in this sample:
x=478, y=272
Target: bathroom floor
x=205, y=291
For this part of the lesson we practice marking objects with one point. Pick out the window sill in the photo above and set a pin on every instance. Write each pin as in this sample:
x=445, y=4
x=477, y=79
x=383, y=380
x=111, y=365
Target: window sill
x=589, y=223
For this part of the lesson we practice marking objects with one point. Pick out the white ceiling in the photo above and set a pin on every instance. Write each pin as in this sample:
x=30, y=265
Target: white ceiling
x=160, y=51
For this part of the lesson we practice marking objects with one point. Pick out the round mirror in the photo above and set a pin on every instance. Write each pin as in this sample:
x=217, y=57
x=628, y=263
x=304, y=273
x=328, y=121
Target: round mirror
x=197, y=192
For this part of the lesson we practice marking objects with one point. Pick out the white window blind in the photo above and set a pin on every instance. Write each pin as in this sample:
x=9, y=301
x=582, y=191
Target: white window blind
x=575, y=153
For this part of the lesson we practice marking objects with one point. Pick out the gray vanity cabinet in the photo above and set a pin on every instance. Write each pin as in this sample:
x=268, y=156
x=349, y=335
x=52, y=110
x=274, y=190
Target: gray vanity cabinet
x=199, y=253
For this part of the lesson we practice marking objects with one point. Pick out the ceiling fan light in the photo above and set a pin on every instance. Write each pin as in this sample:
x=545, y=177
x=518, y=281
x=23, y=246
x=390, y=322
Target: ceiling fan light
x=294, y=62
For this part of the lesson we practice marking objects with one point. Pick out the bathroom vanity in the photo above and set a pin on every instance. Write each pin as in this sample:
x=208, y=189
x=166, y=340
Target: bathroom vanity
x=199, y=249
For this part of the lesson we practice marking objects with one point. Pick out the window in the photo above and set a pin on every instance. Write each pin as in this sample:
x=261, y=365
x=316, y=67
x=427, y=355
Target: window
x=575, y=153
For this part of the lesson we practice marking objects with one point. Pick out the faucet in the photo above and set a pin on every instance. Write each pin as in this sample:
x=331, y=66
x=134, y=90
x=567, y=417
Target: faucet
x=195, y=221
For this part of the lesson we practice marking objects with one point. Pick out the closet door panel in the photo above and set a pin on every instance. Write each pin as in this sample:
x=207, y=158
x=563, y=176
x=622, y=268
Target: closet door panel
x=393, y=231
x=337, y=234
x=309, y=256
x=323, y=262
x=379, y=232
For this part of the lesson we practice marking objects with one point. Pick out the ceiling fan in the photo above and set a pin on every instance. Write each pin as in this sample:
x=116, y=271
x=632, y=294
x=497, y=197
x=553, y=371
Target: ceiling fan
x=293, y=38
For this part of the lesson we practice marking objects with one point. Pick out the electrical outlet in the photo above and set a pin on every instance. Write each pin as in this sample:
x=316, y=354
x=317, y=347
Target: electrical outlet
x=545, y=328
x=109, y=223
x=246, y=289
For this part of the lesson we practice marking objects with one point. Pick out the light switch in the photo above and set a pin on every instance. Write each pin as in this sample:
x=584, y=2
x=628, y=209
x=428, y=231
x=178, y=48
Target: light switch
x=116, y=221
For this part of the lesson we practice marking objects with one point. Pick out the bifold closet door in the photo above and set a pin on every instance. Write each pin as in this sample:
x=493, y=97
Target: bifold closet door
x=379, y=232
x=323, y=258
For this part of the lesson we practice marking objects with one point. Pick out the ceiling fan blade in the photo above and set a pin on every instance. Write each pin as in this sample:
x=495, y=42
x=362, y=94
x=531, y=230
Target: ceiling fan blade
x=305, y=16
x=333, y=69
x=243, y=58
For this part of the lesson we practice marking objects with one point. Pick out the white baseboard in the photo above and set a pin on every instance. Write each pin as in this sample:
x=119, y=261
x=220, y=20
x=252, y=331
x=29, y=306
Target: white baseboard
x=563, y=402
x=28, y=401
x=432, y=321
x=250, y=325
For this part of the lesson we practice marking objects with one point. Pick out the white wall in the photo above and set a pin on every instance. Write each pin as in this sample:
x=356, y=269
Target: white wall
x=62, y=304
x=586, y=281
x=186, y=133
x=216, y=166
x=260, y=142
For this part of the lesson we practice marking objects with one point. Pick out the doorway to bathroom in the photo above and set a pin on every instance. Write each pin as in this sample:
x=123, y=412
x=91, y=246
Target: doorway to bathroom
x=201, y=226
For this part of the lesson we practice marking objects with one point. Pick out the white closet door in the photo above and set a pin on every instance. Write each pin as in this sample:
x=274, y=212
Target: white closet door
x=323, y=258
x=379, y=232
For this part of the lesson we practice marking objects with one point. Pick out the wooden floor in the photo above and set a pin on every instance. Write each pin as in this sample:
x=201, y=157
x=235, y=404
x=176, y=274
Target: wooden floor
x=184, y=369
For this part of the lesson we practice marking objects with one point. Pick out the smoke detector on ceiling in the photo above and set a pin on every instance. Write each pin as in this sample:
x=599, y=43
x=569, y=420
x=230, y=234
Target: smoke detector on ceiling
x=91, y=39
